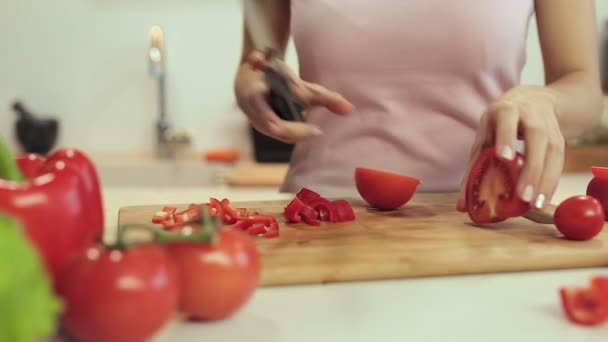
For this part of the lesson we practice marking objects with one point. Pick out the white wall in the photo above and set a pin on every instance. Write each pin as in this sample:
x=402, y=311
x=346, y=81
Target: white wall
x=85, y=60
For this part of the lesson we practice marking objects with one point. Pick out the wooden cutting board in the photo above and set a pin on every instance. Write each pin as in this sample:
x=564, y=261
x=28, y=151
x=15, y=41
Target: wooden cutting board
x=427, y=237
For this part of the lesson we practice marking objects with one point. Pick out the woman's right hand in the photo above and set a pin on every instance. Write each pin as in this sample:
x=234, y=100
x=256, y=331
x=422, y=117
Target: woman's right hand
x=251, y=90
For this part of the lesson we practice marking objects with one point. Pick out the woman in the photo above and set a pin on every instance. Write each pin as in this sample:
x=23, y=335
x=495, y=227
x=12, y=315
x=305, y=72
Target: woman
x=419, y=87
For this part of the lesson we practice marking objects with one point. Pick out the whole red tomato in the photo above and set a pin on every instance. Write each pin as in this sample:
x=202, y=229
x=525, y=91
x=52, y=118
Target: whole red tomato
x=491, y=188
x=579, y=217
x=598, y=187
x=119, y=295
x=217, y=279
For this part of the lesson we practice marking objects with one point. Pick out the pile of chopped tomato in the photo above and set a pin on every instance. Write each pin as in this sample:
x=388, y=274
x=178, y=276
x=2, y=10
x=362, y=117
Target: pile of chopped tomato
x=586, y=305
x=251, y=221
x=311, y=208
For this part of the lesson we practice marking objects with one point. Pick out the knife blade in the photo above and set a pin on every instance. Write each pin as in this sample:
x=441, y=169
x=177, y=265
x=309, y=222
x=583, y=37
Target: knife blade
x=544, y=216
x=281, y=98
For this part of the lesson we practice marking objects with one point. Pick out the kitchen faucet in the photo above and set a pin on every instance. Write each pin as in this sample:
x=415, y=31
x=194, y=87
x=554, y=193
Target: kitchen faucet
x=166, y=137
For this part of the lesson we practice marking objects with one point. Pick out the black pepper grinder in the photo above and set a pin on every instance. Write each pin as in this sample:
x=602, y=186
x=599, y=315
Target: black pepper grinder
x=34, y=134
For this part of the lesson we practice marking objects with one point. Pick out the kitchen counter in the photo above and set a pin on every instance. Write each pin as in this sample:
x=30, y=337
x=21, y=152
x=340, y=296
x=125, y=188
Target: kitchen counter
x=496, y=307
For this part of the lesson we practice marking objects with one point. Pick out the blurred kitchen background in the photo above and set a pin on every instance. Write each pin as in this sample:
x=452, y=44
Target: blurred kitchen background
x=87, y=63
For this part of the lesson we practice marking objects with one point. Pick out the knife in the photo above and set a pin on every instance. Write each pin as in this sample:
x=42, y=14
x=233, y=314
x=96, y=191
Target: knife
x=544, y=216
x=280, y=98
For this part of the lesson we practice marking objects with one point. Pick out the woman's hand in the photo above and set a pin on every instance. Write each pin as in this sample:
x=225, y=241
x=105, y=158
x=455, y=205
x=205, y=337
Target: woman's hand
x=528, y=113
x=251, y=90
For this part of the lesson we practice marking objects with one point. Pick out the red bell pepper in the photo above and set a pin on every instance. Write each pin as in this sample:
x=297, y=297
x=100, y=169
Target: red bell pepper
x=59, y=205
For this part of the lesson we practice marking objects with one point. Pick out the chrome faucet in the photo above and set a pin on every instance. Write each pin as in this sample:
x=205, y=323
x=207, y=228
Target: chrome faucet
x=166, y=136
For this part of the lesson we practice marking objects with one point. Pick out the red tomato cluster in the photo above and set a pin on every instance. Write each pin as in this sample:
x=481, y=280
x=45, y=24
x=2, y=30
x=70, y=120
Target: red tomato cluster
x=586, y=305
x=129, y=293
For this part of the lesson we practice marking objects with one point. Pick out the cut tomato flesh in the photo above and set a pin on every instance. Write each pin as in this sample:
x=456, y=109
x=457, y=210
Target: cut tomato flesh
x=170, y=210
x=325, y=209
x=160, y=217
x=307, y=195
x=308, y=213
x=582, y=306
x=292, y=211
x=344, y=211
x=257, y=229
x=187, y=216
x=600, y=287
x=491, y=188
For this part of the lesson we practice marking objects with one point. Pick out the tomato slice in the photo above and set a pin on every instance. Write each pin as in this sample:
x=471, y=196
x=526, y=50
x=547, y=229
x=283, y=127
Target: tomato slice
x=187, y=216
x=161, y=216
x=491, y=188
x=307, y=195
x=257, y=229
x=170, y=210
x=311, y=221
x=325, y=209
x=582, y=306
x=600, y=172
x=215, y=208
x=344, y=211
x=308, y=213
x=292, y=210
x=599, y=284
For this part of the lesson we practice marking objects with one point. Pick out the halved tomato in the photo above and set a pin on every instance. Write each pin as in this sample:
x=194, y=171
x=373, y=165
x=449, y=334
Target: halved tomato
x=384, y=190
x=582, y=306
x=491, y=194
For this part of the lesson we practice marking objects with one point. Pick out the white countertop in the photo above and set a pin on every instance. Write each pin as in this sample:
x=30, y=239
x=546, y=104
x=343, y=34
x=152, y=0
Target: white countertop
x=498, y=307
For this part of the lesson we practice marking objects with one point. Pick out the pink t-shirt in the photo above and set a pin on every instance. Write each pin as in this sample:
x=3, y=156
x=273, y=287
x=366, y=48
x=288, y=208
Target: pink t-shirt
x=420, y=74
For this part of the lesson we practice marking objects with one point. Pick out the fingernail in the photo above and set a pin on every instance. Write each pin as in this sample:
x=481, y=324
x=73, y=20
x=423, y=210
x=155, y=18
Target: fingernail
x=317, y=131
x=540, y=201
x=528, y=193
x=507, y=152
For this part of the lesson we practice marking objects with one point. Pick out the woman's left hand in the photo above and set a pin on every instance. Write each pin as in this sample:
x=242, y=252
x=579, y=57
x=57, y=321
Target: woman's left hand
x=528, y=113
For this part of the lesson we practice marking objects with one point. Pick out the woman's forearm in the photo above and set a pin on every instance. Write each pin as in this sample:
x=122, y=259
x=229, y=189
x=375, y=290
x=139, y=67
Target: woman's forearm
x=277, y=17
x=578, y=103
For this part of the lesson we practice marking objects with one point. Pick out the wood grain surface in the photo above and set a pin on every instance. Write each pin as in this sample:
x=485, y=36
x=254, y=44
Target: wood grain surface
x=426, y=237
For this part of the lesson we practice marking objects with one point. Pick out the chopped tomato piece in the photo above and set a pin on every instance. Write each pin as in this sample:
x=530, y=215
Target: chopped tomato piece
x=160, y=217
x=307, y=195
x=187, y=216
x=312, y=221
x=272, y=231
x=344, y=211
x=582, y=306
x=600, y=287
x=292, y=211
x=325, y=209
x=257, y=229
x=308, y=213
x=170, y=210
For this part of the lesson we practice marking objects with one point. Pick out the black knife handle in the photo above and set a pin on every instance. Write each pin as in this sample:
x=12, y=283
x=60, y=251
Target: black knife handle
x=281, y=99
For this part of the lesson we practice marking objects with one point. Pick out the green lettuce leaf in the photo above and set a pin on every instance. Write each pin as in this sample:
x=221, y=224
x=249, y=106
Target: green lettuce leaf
x=29, y=309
